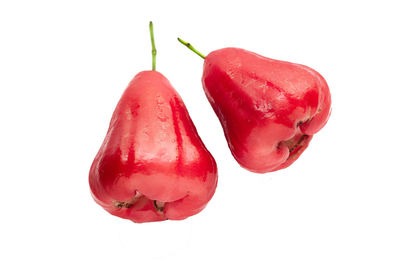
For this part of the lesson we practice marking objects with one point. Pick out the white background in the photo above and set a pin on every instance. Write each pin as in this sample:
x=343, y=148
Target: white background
x=63, y=67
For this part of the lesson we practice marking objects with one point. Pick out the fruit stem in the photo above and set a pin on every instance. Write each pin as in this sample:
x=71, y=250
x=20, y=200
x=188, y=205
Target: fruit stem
x=188, y=45
x=153, y=47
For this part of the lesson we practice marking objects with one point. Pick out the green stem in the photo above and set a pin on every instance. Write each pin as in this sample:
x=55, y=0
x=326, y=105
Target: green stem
x=153, y=47
x=188, y=45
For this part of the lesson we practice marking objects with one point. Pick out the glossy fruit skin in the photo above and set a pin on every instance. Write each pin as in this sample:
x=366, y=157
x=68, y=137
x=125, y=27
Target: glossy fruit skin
x=269, y=109
x=152, y=150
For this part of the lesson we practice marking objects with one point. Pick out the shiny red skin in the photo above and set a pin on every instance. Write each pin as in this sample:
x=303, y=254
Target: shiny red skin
x=152, y=148
x=265, y=106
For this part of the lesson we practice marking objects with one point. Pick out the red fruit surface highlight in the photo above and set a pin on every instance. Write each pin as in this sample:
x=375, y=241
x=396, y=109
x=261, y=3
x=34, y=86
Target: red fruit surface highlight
x=152, y=165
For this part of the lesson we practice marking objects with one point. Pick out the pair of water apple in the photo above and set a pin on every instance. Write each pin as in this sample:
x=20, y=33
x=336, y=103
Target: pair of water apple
x=153, y=166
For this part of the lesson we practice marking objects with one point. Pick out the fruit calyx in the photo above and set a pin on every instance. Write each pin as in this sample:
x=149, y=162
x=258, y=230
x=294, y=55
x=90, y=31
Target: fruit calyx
x=158, y=205
x=294, y=144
